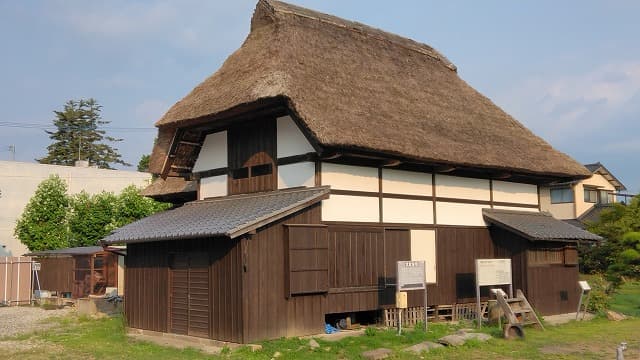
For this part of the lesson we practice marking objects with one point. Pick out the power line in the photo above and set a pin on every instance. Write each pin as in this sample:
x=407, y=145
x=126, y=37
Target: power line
x=41, y=126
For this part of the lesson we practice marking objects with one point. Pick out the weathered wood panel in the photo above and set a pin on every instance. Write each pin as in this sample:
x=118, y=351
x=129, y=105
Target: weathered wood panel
x=252, y=147
x=56, y=273
x=307, y=259
x=269, y=314
x=146, y=286
x=553, y=289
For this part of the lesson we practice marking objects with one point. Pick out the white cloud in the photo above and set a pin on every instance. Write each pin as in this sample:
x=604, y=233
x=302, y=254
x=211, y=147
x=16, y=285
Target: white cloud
x=576, y=105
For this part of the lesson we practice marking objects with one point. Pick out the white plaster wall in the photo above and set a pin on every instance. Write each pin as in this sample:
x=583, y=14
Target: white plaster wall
x=350, y=208
x=515, y=208
x=504, y=191
x=407, y=211
x=347, y=177
x=213, y=154
x=19, y=180
x=423, y=248
x=291, y=141
x=213, y=186
x=300, y=174
x=406, y=182
x=462, y=188
x=448, y=213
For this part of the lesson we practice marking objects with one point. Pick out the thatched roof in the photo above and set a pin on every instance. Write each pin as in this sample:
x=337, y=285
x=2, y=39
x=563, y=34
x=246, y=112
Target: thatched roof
x=172, y=189
x=356, y=87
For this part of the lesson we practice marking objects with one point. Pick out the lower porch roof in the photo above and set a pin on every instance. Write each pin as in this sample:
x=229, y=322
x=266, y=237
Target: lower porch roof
x=228, y=216
x=537, y=226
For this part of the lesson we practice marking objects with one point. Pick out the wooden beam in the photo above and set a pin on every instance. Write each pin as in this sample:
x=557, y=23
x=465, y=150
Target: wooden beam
x=191, y=143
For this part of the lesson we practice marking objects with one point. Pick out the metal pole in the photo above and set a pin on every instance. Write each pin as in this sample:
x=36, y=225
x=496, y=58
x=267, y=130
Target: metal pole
x=478, y=315
x=579, y=304
x=6, y=277
x=426, y=309
x=399, y=321
x=18, y=287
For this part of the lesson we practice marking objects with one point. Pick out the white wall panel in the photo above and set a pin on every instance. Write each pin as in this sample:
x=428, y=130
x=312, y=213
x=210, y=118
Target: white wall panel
x=407, y=211
x=291, y=141
x=504, y=191
x=350, y=208
x=406, y=182
x=213, y=154
x=347, y=177
x=213, y=186
x=515, y=208
x=423, y=248
x=462, y=188
x=448, y=213
x=300, y=174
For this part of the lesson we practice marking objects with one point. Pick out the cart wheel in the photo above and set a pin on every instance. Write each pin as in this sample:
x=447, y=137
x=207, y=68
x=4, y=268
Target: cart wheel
x=513, y=331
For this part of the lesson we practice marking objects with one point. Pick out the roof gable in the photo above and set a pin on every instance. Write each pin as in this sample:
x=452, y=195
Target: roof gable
x=356, y=87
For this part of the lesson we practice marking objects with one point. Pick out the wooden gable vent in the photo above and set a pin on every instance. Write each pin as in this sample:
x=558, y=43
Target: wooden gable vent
x=307, y=260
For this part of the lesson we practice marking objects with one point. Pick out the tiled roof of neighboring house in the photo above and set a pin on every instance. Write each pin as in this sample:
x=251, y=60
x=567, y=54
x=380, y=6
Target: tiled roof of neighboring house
x=576, y=223
x=84, y=250
x=536, y=226
x=600, y=169
x=229, y=216
x=357, y=88
x=593, y=214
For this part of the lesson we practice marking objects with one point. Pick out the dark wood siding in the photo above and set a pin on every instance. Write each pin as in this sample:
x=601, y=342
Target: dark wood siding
x=307, y=259
x=56, y=274
x=553, y=289
x=269, y=314
x=189, y=297
x=146, y=286
x=147, y=289
x=457, y=249
x=252, y=147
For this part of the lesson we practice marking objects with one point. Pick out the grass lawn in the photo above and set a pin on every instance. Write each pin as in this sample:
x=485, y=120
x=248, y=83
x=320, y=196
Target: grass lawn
x=83, y=338
x=627, y=299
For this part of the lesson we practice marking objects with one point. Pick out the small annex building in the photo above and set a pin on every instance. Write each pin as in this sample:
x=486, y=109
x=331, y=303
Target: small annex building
x=81, y=271
x=318, y=155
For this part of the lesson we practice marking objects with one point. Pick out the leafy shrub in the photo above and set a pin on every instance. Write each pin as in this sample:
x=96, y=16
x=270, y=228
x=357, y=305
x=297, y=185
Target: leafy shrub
x=370, y=331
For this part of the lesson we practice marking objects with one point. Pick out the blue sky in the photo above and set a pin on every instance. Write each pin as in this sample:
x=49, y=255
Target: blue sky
x=569, y=70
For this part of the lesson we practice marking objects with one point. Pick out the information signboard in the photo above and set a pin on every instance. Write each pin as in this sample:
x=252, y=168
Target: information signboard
x=491, y=272
x=411, y=275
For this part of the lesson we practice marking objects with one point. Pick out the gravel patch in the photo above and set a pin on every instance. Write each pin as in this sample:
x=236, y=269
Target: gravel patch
x=16, y=320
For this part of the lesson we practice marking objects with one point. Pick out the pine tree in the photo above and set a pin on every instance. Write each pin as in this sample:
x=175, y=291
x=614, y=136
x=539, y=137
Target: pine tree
x=78, y=137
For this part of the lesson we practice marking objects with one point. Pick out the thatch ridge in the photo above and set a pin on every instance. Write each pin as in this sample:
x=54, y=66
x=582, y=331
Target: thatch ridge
x=356, y=87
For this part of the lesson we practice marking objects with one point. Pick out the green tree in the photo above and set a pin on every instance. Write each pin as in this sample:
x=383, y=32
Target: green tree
x=131, y=206
x=78, y=136
x=143, y=164
x=54, y=220
x=43, y=224
x=91, y=218
x=619, y=254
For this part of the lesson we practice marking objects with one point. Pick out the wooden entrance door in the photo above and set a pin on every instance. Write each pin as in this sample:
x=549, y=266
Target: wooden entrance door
x=189, y=294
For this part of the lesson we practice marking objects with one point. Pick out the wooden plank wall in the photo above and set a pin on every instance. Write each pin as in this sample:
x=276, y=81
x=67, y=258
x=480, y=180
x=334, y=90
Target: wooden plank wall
x=253, y=144
x=268, y=313
x=146, y=286
x=56, y=273
x=553, y=289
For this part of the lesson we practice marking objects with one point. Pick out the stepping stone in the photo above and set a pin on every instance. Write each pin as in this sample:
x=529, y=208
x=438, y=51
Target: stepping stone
x=423, y=346
x=452, y=340
x=377, y=354
x=482, y=337
x=313, y=344
x=615, y=316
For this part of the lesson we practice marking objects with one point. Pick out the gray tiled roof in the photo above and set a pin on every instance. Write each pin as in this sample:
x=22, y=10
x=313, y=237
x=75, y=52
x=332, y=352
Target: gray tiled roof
x=536, y=225
x=229, y=216
x=84, y=250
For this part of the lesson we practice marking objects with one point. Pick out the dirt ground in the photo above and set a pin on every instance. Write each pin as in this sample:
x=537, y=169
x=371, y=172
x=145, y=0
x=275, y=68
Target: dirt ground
x=16, y=320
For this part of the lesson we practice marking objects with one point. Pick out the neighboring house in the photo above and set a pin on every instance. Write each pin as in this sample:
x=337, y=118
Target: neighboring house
x=323, y=151
x=19, y=180
x=582, y=201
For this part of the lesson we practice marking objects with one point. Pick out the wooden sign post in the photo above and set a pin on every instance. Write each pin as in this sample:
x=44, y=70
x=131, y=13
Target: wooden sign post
x=411, y=276
x=490, y=272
